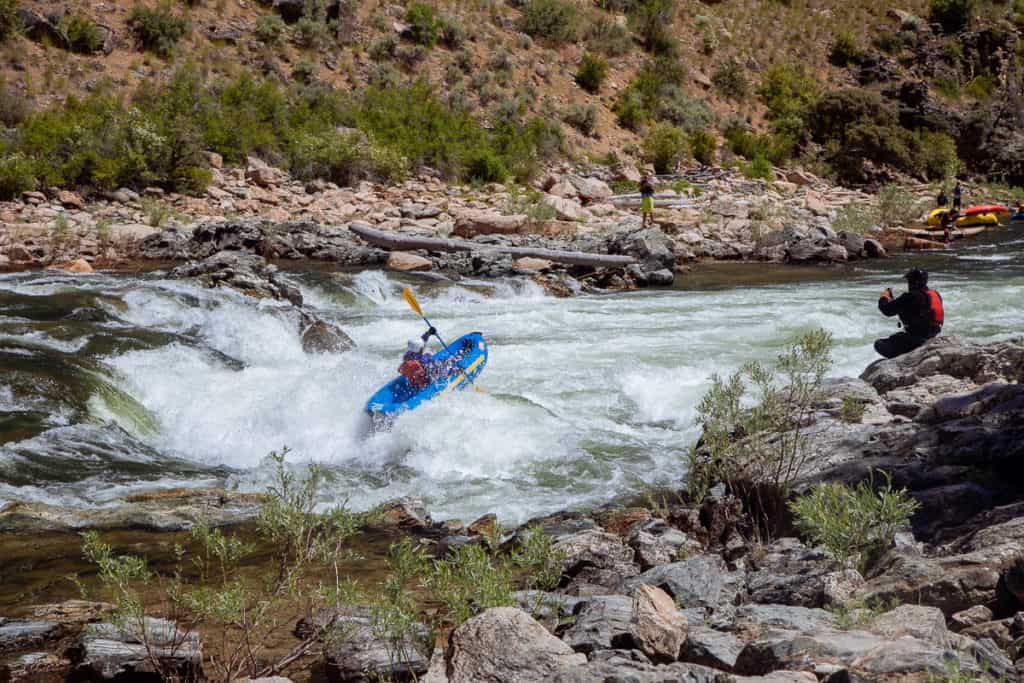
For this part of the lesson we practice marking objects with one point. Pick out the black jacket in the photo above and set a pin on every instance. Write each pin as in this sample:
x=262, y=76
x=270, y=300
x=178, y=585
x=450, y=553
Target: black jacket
x=915, y=311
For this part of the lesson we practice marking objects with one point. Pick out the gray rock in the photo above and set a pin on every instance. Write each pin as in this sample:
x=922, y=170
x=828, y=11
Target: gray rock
x=506, y=644
x=325, y=337
x=355, y=654
x=801, y=619
x=627, y=670
x=700, y=581
x=923, y=623
x=23, y=634
x=789, y=573
x=544, y=605
x=596, y=558
x=247, y=273
x=105, y=651
x=603, y=623
x=650, y=246
x=981, y=363
x=711, y=648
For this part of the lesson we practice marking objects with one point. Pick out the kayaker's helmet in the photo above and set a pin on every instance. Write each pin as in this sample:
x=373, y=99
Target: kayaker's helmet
x=917, y=276
x=415, y=345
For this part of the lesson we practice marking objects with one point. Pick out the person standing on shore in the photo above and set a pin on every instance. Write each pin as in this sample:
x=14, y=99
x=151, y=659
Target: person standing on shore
x=647, y=200
x=942, y=199
x=958, y=196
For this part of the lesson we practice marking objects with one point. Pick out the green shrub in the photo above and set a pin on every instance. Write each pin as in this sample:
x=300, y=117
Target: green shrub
x=952, y=15
x=17, y=175
x=851, y=409
x=766, y=405
x=845, y=50
x=790, y=94
x=664, y=147
x=854, y=524
x=9, y=21
x=759, y=167
x=424, y=26
x=982, y=86
x=939, y=160
x=342, y=158
x=604, y=35
x=453, y=34
x=582, y=117
x=676, y=106
x=703, y=146
x=311, y=29
x=950, y=87
x=855, y=218
x=14, y=107
x=487, y=167
x=158, y=30
x=591, y=72
x=555, y=21
x=270, y=28
x=652, y=20
x=638, y=101
x=383, y=48
x=304, y=71
x=730, y=79
x=82, y=33
x=888, y=41
x=630, y=111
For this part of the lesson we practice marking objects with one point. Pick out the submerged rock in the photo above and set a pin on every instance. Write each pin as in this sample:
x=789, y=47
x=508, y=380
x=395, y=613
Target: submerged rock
x=247, y=273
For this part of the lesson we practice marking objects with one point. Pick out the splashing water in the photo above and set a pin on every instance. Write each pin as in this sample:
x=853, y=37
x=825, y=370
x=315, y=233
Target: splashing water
x=586, y=398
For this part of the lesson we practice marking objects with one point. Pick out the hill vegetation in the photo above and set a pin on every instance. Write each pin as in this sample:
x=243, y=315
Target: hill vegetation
x=492, y=89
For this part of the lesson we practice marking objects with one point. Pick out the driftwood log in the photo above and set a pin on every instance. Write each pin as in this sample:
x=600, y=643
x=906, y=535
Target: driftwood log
x=398, y=242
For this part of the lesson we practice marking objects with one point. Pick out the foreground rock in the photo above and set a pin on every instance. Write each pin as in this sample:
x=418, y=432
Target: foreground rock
x=357, y=655
x=105, y=652
x=506, y=644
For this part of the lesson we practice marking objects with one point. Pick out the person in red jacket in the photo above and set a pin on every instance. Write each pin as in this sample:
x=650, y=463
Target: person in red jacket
x=418, y=366
x=920, y=311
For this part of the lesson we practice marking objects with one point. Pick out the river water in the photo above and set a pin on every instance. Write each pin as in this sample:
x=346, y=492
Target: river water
x=115, y=383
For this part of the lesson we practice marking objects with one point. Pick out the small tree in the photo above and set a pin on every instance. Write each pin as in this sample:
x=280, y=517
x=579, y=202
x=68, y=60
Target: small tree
x=855, y=524
x=664, y=147
x=591, y=72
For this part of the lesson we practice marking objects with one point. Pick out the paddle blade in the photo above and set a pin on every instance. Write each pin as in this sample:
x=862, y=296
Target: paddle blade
x=411, y=300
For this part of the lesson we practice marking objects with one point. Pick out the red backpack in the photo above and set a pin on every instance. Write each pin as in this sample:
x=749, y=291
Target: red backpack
x=414, y=371
x=935, y=307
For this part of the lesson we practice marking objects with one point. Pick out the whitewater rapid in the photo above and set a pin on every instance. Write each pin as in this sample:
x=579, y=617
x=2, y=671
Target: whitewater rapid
x=584, y=399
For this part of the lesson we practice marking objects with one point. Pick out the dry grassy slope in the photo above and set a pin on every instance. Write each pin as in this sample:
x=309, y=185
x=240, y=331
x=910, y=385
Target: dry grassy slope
x=756, y=32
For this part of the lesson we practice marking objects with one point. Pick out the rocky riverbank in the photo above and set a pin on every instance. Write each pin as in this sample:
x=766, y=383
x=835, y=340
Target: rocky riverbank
x=679, y=591
x=705, y=214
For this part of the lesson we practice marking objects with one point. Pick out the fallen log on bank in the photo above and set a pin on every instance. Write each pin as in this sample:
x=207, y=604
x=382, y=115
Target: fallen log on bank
x=398, y=242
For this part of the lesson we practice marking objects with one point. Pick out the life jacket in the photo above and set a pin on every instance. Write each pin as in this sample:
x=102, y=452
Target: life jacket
x=938, y=315
x=414, y=371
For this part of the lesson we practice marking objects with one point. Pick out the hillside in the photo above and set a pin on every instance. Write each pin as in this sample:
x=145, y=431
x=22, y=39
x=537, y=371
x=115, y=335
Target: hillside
x=917, y=88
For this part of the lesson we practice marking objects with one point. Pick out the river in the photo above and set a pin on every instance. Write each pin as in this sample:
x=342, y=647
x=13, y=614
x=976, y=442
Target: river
x=156, y=383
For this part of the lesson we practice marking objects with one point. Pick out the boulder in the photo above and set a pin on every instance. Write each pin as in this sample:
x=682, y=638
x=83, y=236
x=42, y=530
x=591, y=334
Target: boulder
x=21, y=634
x=972, y=616
x=247, y=273
x=701, y=581
x=565, y=209
x=261, y=174
x=35, y=666
x=652, y=248
x=980, y=363
x=657, y=543
x=472, y=222
x=712, y=648
x=596, y=558
x=408, y=512
x=623, y=668
x=531, y=264
x=106, y=651
x=356, y=654
x=70, y=200
x=563, y=189
x=657, y=627
x=604, y=622
x=815, y=251
x=917, y=621
x=591, y=190
x=506, y=644
x=852, y=242
x=77, y=266
x=789, y=573
x=325, y=337
x=403, y=261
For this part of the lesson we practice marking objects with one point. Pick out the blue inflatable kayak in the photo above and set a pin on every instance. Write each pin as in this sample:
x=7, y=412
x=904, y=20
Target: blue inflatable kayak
x=464, y=358
x=1017, y=216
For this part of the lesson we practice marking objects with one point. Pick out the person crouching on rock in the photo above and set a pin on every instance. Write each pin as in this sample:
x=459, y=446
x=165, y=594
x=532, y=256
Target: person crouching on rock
x=417, y=366
x=920, y=311
x=647, y=200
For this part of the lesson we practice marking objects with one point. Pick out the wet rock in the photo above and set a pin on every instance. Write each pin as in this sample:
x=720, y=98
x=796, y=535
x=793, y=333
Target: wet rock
x=170, y=510
x=408, y=512
x=702, y=581
x=18, y=634
x=506, y=644
x=171, y=244
x=403, y=262
x=247, y=273
x=106, y=651
x=484, y=525
x=981, y=363
x=355, y=654
x=325, y=337
x=814, y=251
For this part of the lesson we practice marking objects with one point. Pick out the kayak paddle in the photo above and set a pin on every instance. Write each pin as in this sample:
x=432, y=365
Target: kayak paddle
x=410, y=299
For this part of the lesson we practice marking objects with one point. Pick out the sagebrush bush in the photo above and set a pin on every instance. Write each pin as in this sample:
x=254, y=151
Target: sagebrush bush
x=424, y=25
x=854, y=524
x=630, y=110
x=82, y=33
x=591, y=72
x=845, y=50
x=556, y=21
x=451, y=31
x=730, y=79
x=14, y=107
x=676, y=106
x=703, y=146
x=653, y=83
x=270, y=28
x=664, y=147
x=952, y=15
x=790, y=93
x=9, y=21
x=606, y=36
x=582, y=117
x=759, y=168
x=158, y=29
x=652, y=20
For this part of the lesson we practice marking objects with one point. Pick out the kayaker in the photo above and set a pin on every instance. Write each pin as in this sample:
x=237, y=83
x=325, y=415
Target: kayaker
x=920, y=311
x=647, y=200
x=958, y=196
x=942, y=199
x=417, y=366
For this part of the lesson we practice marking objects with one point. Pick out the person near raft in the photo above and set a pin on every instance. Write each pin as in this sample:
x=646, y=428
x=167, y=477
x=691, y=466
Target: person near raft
x=958, y=196
x=948, y=223
x=647, y=200
x=942, y=199
x=418, y=366
x=920, y=311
